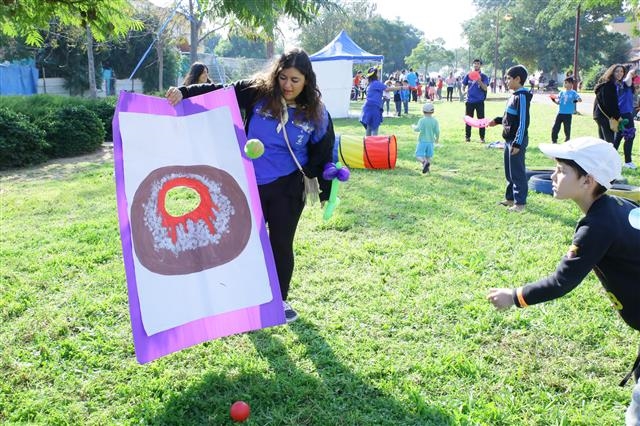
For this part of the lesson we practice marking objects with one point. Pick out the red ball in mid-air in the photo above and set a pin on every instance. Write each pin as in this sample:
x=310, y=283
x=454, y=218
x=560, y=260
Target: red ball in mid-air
x=239, y=411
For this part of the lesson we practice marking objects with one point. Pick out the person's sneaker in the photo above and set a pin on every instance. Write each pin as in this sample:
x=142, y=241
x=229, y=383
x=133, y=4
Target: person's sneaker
x=506, y=203
x=630, y=165
x=467, y=140
x=425, y=167
x=516, y=208
x=481, y=140
x=289, y=314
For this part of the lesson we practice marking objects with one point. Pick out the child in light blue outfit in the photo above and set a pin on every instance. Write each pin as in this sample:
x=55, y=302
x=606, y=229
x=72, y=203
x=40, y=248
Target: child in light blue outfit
x=567, y=100
x=405, y=95
x=429, y=134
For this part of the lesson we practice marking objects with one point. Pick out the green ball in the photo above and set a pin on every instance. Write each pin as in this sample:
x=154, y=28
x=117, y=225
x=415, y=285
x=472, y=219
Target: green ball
x=254, y=148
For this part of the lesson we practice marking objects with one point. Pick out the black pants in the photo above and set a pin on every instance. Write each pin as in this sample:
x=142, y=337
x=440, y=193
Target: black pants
x=561, y=119
x=450, y=94
x=604, y=131
x=470, y=107
x=282, y=206
x=628, y=142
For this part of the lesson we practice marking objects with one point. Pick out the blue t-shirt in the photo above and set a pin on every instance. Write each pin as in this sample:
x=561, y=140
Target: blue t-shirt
x=566, y=102
x=625, y=98
x=412, y=79
x=276, y=160
x=475, y=93
x=374, y=93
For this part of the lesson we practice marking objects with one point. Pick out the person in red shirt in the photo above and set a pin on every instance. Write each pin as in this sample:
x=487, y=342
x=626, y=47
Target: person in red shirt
x=356, y=85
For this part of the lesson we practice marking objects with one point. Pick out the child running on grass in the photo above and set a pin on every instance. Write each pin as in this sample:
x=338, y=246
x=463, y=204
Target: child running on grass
x=606, y=239
x=429, y=134
x=515, y=123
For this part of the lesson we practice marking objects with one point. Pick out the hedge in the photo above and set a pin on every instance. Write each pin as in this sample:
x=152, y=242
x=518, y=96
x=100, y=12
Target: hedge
x=21, y=142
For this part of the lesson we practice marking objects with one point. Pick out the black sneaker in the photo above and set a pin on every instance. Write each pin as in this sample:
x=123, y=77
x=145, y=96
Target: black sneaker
x=425, y=168
x=289, y=314
x=467, y=140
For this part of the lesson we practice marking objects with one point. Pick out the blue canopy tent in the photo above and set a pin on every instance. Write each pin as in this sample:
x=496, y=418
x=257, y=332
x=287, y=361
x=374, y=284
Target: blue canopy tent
x=333, y=65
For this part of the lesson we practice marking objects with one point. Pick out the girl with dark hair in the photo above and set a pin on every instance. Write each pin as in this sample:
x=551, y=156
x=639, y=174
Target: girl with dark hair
x=606, y=111
x=198, y=73
x=282, y=108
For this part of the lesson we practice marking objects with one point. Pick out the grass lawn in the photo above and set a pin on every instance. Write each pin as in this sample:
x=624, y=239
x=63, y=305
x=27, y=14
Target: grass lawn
x=394, y=326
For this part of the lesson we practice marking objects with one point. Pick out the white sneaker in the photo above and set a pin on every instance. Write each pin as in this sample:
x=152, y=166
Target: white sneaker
x=630, y=165
x=289, y=314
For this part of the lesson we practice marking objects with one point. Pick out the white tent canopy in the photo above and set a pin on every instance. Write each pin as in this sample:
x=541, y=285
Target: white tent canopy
x=333, y=66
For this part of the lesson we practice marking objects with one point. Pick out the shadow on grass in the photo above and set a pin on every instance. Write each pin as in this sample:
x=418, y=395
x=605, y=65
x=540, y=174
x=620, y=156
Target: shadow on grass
x=315, y=390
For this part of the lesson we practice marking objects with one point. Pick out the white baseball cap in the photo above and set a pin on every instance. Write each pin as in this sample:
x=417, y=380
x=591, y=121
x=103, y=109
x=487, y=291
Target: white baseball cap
x=428, y=107
x=597, y=157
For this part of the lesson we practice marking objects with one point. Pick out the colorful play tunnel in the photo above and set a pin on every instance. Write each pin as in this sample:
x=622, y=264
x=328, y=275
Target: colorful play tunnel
x=370, y=152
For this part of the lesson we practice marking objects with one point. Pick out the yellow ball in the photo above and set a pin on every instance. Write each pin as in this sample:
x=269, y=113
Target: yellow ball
x=254, y=148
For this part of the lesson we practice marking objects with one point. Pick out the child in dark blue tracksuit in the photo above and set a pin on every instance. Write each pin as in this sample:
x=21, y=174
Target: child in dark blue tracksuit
x=515, y=122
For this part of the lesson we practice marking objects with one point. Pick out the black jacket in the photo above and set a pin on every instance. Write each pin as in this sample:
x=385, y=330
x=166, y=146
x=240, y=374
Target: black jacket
x=607, y=99
x=605, y=242
x=320, y=153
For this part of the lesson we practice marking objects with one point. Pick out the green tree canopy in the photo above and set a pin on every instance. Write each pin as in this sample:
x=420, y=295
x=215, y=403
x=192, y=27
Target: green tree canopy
x=540, y=34
x=106, y=18
x=429, y=53
x=237, y=46
x=393, y=39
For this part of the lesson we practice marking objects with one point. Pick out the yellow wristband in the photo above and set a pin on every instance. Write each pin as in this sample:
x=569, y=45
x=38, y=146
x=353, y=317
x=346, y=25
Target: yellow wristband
x=521, y=301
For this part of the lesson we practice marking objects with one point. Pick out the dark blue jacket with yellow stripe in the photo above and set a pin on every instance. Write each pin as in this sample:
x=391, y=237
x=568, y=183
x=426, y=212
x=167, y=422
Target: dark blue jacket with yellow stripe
x=515, y=121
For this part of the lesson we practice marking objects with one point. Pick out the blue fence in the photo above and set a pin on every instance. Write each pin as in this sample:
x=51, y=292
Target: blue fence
x=18, y=79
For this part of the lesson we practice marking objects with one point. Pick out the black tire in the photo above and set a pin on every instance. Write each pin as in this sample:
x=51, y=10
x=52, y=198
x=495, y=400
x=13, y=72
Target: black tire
x=532, y=172
x=541, y=183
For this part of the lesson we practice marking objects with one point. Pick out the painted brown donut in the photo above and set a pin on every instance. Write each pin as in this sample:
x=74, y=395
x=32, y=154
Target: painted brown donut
x=212, y=234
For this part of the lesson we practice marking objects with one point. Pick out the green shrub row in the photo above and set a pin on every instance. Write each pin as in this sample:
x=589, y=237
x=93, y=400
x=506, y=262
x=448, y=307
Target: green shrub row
x=36, y=128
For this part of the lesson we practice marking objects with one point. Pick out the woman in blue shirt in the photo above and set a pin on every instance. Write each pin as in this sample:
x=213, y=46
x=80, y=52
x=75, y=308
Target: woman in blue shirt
x=371, y=116
x=289, y=93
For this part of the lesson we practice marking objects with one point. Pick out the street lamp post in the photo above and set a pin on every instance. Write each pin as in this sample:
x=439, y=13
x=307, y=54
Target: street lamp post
x=495, y=53
x=575, y=49
x=506, y=17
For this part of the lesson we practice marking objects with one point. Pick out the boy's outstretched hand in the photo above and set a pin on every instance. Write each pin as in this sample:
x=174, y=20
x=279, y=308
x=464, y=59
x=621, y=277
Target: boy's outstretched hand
x=501, y=298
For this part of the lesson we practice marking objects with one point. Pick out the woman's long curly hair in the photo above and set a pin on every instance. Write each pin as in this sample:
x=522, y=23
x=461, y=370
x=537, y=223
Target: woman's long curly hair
x=609, y=75
x=308, y=102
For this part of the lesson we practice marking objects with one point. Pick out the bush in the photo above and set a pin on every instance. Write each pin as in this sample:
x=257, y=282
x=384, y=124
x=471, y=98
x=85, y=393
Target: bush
x=72, y=130
x=38, y=106
x=592, y=75
x=21, y=142
x=104, y=108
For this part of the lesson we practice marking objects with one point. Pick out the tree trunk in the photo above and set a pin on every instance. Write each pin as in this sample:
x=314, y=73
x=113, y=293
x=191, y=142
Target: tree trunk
x=160, y=52
x=194, y=32
x=91, y=68
x=270, y=49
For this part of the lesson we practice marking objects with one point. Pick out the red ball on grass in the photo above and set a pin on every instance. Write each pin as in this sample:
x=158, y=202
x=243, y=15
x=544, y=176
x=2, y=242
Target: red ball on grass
x=239, y=411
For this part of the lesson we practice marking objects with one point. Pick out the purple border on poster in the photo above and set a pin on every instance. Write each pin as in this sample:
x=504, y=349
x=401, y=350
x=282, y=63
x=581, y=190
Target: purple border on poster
x=269, y=314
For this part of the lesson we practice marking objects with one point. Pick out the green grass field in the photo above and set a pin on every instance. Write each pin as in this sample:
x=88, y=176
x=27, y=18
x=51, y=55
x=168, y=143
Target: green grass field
x=394, y=326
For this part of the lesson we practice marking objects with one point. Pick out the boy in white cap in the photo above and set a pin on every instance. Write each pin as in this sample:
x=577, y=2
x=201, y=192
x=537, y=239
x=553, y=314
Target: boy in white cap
x=606, y=239
x=429, y=134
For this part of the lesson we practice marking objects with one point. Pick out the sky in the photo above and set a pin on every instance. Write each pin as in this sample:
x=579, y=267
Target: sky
x=435, y=18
